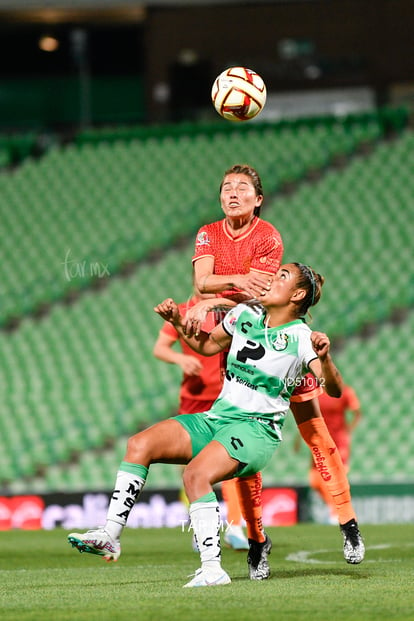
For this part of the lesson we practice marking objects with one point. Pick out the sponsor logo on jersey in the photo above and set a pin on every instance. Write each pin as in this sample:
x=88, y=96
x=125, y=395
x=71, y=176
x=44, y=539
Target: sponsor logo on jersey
x=243, y=368
x=202, y=239
x=280, y=341
x=231, y=318
x=240, y=380
x=245, y=382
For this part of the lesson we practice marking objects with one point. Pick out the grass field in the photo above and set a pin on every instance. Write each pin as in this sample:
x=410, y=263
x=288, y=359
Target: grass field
x=42, y=578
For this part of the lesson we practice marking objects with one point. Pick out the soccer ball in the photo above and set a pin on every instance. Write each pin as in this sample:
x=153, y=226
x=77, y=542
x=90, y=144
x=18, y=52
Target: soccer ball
x=238, y=94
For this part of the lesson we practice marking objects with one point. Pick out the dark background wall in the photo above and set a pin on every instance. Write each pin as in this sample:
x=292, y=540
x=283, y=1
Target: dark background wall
x=352, y=42
x=159, y=64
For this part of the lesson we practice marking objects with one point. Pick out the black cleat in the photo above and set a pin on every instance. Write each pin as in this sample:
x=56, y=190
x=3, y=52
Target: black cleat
x=259, y=568
x=354, y=549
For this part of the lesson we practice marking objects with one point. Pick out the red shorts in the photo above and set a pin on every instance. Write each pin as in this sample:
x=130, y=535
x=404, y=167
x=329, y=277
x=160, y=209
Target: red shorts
x=308, y=389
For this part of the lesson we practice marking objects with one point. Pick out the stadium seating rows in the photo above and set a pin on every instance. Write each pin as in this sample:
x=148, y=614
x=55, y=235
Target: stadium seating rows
x=382, y=443
x=379, y=369
x=354, y=227
x=78, y=211
x=85, y=376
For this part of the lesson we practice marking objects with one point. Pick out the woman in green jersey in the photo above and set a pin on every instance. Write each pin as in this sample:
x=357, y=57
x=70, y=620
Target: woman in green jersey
x=270, y=349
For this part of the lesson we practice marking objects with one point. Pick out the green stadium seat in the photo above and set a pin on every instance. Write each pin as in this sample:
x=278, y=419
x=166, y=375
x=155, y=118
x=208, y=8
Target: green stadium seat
x=89, y=366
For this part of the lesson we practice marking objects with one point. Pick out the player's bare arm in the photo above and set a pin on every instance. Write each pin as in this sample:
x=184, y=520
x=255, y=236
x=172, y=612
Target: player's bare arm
x=252, y=284
x=323, y=367
x=163, y=350
x=205, y=343
x=197, y=314
x=205, y=281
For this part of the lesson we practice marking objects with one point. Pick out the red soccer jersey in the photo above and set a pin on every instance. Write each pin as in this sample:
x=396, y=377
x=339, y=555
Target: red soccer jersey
x=334, y=410
x=260, y=248
x=207, y=385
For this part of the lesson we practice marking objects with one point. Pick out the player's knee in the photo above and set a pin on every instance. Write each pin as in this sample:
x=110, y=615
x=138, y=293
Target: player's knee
x=138, y=448
x=194, y=479
x=189, y=476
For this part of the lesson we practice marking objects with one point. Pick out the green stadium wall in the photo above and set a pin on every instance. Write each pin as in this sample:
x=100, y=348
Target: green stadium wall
x=39, y=102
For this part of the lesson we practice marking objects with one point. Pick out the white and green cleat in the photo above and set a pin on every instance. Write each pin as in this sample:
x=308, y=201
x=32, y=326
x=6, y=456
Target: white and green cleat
x=97, y=542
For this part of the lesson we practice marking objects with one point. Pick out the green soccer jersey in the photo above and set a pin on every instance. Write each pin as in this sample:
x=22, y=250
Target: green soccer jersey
x=264, y=365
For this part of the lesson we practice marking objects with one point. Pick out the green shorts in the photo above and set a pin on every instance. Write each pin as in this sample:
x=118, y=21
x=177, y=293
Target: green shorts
x=249, y=441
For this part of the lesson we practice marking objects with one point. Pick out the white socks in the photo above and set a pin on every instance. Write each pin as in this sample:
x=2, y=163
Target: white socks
x=205, y=521
x=127, y=489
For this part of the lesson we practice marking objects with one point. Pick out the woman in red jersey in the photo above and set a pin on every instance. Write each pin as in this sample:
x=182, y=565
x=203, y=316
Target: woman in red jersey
x=236, y=258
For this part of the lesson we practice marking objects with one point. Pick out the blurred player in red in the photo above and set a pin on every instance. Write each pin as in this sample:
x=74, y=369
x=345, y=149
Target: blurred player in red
x=235, y=258
x=341, y=416
x=200, y=386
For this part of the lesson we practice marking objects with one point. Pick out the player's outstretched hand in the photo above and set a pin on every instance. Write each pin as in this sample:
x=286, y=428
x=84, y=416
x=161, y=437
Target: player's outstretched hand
x=320, y=343
x=168, y=310
x=195, y=317
x=253, y=284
